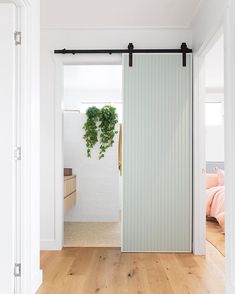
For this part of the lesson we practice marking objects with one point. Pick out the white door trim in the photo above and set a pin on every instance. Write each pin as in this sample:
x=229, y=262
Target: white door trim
x=199, y=159
x=60, y=61
x=229, y=109
x=199, y=224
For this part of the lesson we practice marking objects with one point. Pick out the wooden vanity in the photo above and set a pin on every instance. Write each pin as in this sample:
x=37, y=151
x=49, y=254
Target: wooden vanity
x=69, y=192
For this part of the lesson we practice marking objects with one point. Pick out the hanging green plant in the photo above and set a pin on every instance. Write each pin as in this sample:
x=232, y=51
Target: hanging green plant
x=108, y=120
x=90, y=127
x=100, y=127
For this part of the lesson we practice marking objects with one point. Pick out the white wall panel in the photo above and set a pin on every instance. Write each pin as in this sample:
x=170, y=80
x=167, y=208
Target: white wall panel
x=157, y=171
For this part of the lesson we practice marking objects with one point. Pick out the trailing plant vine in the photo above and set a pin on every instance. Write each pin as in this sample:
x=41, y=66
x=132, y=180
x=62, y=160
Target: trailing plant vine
x=108, y=121
x=90, y=127
x=100, y=127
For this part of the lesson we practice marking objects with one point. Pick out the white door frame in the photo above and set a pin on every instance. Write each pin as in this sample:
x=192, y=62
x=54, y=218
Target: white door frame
x=229, y=110
x=27, y=202
x=199, y=158
x=60, y=61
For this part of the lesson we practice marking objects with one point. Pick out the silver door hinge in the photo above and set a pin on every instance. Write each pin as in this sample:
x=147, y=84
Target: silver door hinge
x=18, y=153
x=17, y=270
x=17, y=37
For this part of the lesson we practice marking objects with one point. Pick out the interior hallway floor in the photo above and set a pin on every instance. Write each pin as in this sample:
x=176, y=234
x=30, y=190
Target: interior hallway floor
x=108, y=271
x=92, y=234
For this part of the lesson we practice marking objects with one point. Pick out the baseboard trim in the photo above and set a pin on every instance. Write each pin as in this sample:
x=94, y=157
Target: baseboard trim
x=37, y=282
x=92, y=220
x=112, y=218
x=50, y=244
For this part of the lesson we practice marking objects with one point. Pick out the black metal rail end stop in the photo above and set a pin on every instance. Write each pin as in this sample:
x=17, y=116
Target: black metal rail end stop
x=130, y=50
x=184, y=50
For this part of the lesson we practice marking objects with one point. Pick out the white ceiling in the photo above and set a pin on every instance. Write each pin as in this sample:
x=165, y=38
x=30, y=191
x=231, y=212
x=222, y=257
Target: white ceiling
x=117, y=13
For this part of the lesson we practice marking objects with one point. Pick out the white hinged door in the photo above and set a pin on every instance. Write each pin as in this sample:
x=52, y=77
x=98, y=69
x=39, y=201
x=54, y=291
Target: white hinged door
x=7, y=148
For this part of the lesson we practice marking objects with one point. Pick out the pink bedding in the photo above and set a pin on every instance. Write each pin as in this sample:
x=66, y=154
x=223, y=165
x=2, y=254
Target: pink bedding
x=215, y=204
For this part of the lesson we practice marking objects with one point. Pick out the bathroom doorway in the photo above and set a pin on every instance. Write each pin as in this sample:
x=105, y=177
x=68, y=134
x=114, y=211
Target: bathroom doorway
x=92, y=185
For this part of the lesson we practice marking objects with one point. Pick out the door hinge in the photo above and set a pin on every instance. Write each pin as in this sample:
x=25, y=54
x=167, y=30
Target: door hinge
x=17, y=37
x=18, y=153
x=17, y=270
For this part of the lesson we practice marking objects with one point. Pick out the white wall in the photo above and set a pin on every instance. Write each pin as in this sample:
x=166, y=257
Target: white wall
x=214, y=84
x=87, y=84
x=56, y=39
x=215, y=143
x=214, y=63
x=122, y=13
x=97, y=180
x=207, y=21
x=205, y=25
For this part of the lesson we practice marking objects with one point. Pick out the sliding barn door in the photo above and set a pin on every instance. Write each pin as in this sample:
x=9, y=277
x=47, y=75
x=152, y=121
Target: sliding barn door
x=157, y=154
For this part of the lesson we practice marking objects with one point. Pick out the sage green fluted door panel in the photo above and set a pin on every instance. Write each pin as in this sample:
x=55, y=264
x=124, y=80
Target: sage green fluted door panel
x=157, y=154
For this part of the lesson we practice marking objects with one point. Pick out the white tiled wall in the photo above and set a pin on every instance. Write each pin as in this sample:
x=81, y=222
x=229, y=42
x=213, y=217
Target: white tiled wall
x=97, y=180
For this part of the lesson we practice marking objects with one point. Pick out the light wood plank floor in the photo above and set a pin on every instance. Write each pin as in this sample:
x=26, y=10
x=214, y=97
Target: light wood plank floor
x=214, y=235
x=107, y=270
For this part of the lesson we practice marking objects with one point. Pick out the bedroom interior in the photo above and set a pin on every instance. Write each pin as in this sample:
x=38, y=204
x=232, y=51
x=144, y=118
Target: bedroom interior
x=92, y=217
x=214, y=143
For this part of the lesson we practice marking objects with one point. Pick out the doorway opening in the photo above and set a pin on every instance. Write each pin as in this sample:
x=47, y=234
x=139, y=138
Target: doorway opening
x=214, y=145
x=92, y=185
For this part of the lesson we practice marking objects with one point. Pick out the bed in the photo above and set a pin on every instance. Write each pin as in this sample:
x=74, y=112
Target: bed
x=215, y=196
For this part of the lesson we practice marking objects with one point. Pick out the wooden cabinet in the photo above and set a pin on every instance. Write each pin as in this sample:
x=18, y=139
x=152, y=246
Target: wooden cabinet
x=69, y=192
